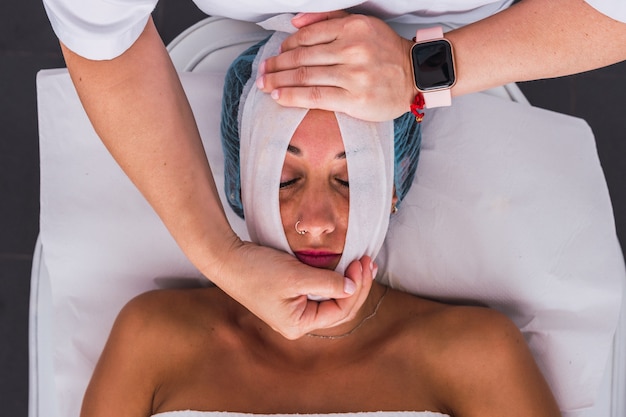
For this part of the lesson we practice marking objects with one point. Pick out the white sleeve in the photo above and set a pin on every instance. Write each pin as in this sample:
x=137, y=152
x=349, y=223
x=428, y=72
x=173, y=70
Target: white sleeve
x=98, y=29
x=615, y=9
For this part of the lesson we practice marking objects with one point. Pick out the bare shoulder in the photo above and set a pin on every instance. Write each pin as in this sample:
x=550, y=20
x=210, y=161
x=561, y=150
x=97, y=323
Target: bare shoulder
x=454, y=329
x=473, y=327
x=480, y=359
x=473, y=361
x=153, y=334
x=174, y=302
x=175, y=313
x=465, y=339
x=160, y=330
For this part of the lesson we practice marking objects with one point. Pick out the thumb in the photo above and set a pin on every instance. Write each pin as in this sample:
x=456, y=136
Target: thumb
x=338, y=310
x=321, y=284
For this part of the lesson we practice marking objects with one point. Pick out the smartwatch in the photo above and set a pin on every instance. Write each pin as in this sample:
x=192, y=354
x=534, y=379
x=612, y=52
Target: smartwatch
x=433, y=66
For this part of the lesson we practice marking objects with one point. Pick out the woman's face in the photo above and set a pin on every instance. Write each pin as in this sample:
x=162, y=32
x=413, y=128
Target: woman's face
x=314, y=190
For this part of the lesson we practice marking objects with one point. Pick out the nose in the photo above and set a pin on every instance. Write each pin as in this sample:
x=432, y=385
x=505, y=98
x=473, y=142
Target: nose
x=318, y=213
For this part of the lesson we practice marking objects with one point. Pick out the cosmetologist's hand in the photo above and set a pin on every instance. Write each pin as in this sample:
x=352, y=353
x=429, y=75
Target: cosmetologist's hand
x=273, y=286
x=340, y=62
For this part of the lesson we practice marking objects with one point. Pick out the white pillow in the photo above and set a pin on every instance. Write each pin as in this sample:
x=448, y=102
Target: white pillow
x=509, y=209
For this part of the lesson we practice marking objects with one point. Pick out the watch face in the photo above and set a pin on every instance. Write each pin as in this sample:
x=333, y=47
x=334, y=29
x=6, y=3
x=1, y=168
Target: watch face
x=432, y=65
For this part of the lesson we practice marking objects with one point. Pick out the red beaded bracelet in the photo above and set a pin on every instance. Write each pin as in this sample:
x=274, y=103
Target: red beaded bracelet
x=416, y=106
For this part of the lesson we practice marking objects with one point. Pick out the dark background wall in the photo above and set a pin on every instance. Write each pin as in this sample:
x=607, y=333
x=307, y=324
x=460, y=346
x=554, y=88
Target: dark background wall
x=27, y=44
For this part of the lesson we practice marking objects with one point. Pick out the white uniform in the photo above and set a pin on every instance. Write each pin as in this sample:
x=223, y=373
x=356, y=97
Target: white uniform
x=615, y=9
x=101, y=29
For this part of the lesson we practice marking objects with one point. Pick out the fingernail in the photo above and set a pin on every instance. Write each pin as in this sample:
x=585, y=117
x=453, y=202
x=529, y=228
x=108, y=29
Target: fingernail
x=371, y=265
x=298, y=16
x=261, y=69
x=349, y=287
x=275, y=95
x=375, y=272
x=260, y=82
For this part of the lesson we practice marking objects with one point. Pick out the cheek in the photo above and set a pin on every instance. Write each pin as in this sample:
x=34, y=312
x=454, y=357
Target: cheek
x=343, y=214
x=288, y=218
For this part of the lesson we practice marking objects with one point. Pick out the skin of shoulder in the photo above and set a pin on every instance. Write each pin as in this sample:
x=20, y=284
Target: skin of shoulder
x=144, y=346
x=465, y=361
x=187, y=314
x=479, y=364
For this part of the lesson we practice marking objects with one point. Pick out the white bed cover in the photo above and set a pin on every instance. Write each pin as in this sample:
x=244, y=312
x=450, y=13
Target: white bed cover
x=58, y=254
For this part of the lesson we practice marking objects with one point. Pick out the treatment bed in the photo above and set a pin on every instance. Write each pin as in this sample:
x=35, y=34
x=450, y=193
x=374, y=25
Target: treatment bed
x=509, y=209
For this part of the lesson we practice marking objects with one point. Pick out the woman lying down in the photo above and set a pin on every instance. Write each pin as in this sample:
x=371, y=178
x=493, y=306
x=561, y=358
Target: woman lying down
x=322, y=186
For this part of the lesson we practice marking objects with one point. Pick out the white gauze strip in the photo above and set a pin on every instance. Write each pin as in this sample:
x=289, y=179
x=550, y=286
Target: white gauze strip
x=265, y=131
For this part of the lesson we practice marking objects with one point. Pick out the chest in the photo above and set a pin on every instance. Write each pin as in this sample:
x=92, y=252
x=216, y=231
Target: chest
x=253, y=381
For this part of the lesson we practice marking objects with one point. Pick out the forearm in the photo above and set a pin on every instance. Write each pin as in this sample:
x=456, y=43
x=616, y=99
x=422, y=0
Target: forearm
x=535, y=39
x=359, y=66
x=138, y=107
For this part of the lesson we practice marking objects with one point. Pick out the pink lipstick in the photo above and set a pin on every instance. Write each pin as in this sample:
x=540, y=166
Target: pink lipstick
x=319, y=259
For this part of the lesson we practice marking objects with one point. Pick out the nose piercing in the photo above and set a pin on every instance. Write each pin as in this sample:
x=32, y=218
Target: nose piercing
x=298, y=231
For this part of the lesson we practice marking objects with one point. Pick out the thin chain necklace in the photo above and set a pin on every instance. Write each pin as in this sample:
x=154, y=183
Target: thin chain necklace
x=355, y=328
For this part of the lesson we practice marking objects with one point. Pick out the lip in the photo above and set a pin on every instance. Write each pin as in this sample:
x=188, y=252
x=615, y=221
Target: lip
x=319, y=259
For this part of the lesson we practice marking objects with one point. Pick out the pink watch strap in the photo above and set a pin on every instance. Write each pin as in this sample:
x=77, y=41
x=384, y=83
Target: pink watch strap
x=435, y=32
x=439, y=98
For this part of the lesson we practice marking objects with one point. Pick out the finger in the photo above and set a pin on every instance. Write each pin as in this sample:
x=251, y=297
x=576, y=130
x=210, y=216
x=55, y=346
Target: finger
x=362, y=275
x=336, y=99
x=308, y=86
x=333, y=76
x=321, y=32
x=308, y=315
x=305, y=19
x=331, y=99
x=310, y=56
x=325, y=98
x=324, y=283
x=337, y=311
x=369, y=267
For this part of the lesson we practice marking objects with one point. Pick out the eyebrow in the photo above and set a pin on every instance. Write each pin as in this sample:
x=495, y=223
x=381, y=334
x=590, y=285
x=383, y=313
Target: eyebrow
x=296, y=151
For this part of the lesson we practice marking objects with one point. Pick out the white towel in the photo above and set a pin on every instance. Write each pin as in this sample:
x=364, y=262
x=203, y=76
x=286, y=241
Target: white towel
x=190, y=413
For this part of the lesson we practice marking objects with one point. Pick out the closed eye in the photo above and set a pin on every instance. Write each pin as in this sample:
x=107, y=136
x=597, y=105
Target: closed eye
x=288, y=183
x=343, y=183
